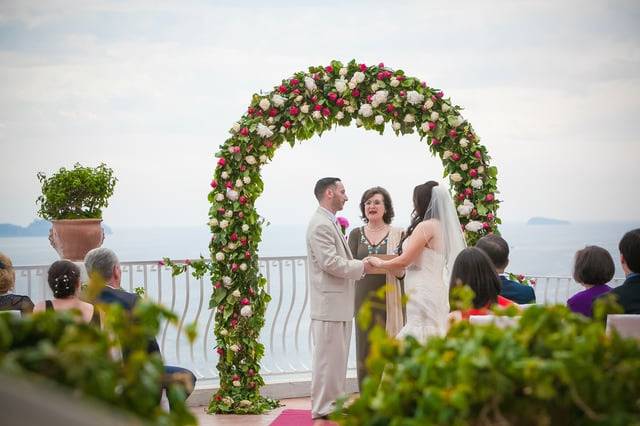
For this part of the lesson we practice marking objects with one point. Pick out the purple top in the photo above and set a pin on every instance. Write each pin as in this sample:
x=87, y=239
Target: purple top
x=582, y=301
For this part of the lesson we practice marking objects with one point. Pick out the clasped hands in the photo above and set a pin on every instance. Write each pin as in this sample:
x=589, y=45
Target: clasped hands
x=372, y=262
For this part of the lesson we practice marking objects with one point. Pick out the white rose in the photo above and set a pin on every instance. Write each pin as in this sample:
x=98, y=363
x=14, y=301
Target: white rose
x=228, y=213
x=236, y=383
x=428, y=104
x=464, y=143
x=234, y=348
x=310, y=84
x=278, y=100
x=358, y=77
x=236, y=294
x=219, y=256
x=464, y=167
x=414, y=98
x=243, y=266
x=379, y=119
x=457, y=121
x=352, y=85
x=455, y=177
x=425, y=127
x=250, y=159
x=394, y=82
x=245, y=227
x=339, y=115
x=326, y=78
x=213, y=222
x=409, y=118
x=365, y=110
x=379, y=97
x=316, y=114
x=232, y=246
x=445, y=107
x=224, y=332
x=351, y=109
x=341, y=85
x=358, y=122
x=246, y=402
x=219, y=197
x=396, y=125
x=263, y=158
x=236, y=127
x=476, y=183
x=446, y=155
x=298, y=99
x=374, y=87
x=481, y=169
x=270, y=120
x=343, y=71
x=434, y=116
x=232, y=195
x=246, y=311
x=226, y=281
x=227, y=400
x=224, y=224
x=465, y=208
x=246, y=180
x=473, y=226
x=224, y=175
x=264, y=104
x=304, y=109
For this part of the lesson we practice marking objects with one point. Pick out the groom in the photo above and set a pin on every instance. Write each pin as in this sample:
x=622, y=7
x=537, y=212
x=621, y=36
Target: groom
x=332, y=271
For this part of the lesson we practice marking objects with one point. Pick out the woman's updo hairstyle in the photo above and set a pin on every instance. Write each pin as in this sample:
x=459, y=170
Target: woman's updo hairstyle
x=64, y=278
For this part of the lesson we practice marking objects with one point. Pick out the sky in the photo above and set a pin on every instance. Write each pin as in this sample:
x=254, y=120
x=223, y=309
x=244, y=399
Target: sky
x=151, y=88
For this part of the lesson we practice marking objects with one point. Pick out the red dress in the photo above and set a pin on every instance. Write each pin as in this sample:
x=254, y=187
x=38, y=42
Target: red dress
x=503, y=302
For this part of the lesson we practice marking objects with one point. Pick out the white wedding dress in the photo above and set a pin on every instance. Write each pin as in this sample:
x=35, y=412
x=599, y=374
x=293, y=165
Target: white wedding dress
x=428, y=297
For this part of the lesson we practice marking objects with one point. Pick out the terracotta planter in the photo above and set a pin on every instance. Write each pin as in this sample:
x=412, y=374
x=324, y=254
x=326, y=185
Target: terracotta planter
x=73, y=238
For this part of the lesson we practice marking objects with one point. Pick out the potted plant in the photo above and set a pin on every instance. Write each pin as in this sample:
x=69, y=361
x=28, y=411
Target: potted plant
x=73, y=199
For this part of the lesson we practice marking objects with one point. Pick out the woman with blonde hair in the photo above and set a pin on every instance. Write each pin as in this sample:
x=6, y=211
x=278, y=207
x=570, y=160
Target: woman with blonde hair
x=10, y=301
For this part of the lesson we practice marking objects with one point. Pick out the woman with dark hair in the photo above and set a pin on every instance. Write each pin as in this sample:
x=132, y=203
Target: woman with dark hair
x=593, y=268
x=427, y=250
x=474, y=268
x=377, y=236
x=64, y=281
x=8, y=300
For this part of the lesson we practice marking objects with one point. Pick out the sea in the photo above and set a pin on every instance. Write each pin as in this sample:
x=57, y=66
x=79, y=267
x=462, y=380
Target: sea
x=539, y=250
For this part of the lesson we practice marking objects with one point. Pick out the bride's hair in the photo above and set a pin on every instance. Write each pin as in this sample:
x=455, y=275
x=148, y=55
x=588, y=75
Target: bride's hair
x=421, y=202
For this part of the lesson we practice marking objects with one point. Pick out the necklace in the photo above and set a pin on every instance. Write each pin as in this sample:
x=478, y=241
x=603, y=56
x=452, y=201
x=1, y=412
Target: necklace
x=371, y=248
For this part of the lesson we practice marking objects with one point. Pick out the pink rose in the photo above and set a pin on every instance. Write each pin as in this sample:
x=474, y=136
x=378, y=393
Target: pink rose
x=222, y=162
x=214, y=183
x=390, y=107
x=329, y=69
x=294, y=111
x=455, y=156
x=340, y=102
x=294, y=82
x=245, y=301
x=355, y=93
x=432, y=125
x=489, y=197
x=363, y=67
x=473, y=173
x=332, y=96
x=273, y=112
x=326, y=112
x=282, y=89
x=244, y=131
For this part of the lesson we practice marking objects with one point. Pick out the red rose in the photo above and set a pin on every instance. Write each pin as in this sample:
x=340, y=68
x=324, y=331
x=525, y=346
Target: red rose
x=242, y=199
x=294, y=111
x=490, y=216
x=369, y=98
x=340, y=102
x=435, y=141
x=218, y=284
x=326, y=112
x=363, y=67
x=228, y=184
x=400, y=78
x=355, y=93
x=478, y=155
x=473, y=173
x=314, y=99
x=243, y=241
x=243, y=168
x=221, y=210
x=296, y=91
x=235, y=377
x=381, y=75
x=233, y=323
x=268, y=144
x=234, y=237
x=234, y=267
x=453, y=133
x=287, y=124
x=332, y=96
x=222, y=162
x=390, y=107
x=245, y=301
x=432, y=125
x=489, y=197
x=317, y=107
x=329, y=69
x=250, y=372
x=316, y=76
x=468, y=192
x=439, y=95
x=251, y=292
x=403, y=93
x=220, y=351
x=294, y=82
x=273, y=112
x=251, y=110
x=214, y=183
x=461, y=197
x=485, y=225
x=282, y=89
x=244, y=131
x=455, y=156
x=247, y=254
x=381, y=65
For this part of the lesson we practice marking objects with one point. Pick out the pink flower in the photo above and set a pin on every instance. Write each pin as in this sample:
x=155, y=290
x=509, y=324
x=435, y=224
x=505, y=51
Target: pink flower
x=453, y=133
x=390, y=107
x=244, y=131
x=363, y=67
x=473, y=173
x=340, y=102
x=489, y=197
x=282, y=89
x=435, y=141
x=455, y=156
x=332, y=96
x=381, y=65
x=485, y=225
x=329, y=69
x=432, y=125
x=343, y=222
x=228, y=184
x=287, y=124
x=468, y=192
x=490, y=216
x=222, y=162
x=478, y=155
x=273, y=112
x=355, y=93
x=439, y=94
x=214, y=183
x=234, y=267
x=220, y=351
x=161, y=262
x=234, y=237
x=245, y=301
x=317, y=107
x=326, y=112
x=242, y=199
x=247, y=254
x=294, y=111
x=294, y=81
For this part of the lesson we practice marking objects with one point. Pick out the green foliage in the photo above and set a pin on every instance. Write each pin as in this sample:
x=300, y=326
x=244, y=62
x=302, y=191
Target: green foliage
x=79, y=193
x=553, y=368
x=59, y=347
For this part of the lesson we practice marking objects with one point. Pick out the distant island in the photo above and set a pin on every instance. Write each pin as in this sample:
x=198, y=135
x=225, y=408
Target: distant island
x=547, y=221
x=37, y=228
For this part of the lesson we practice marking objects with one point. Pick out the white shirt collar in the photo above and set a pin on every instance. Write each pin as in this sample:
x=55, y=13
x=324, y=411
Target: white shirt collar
x=330, y=213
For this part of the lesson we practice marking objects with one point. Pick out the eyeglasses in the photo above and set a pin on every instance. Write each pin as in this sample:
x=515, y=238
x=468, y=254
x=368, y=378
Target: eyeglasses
x=373, y=202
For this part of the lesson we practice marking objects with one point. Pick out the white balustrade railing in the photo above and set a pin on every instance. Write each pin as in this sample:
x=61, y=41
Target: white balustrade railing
x=286, y=334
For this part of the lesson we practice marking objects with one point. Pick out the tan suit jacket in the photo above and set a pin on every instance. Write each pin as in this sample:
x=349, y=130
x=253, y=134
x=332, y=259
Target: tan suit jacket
x=332, y=270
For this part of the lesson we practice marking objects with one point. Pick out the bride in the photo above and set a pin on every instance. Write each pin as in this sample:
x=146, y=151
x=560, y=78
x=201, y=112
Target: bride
x=427, y=251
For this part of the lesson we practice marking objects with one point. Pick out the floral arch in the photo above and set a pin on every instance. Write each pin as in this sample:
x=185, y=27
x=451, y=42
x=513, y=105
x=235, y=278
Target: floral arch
x=302, y=106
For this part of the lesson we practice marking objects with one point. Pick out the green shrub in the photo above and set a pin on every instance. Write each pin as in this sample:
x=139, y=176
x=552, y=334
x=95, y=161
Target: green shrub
x=554, y=368
x=79, y=193
x=59, y=347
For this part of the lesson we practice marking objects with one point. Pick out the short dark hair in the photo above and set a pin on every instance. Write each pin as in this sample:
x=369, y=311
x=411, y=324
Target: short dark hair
x=496, y=248
x=630, y=249
x=388, y=205
x=593, y=265
x=322, y=185
x=63, y=278
x=473, y=267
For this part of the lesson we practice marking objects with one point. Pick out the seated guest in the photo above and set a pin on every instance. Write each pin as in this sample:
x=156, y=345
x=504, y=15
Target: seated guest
x=498, y=251
x=628, y=294
x=64, y=280
x=473, y=268
x=593, y=269
x=10, y=301
x=105, y=263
